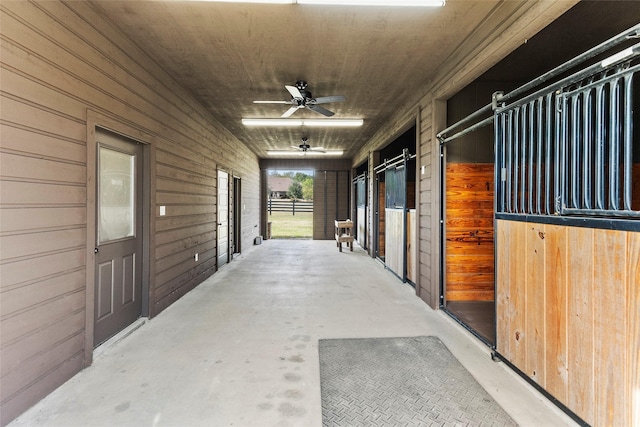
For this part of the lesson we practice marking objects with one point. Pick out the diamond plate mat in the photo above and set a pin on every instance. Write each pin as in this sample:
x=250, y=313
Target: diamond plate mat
x=401, y=382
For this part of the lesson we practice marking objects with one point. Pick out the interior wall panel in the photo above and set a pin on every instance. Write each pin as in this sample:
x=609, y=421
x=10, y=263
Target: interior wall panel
x=60, y=60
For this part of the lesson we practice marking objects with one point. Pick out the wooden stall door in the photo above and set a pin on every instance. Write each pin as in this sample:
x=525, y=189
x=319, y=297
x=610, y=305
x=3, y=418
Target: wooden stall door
x=568, y=310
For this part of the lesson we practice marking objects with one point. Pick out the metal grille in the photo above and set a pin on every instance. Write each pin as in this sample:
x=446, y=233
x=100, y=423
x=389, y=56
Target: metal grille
x=568, y=149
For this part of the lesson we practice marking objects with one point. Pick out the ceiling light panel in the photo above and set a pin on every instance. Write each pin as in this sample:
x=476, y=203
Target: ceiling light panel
x=303, y=122
x=402, y=3
x=305, y=153
x=412, y=3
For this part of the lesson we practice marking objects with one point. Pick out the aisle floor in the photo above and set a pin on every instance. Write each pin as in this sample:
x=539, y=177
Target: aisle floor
x=242, y=348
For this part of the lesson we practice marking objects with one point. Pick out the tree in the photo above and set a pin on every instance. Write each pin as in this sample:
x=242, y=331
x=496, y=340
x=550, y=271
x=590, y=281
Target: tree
x=307, y=188
x=295, y=190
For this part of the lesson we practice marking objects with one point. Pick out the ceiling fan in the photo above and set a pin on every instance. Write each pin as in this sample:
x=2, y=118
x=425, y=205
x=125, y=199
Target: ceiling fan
x=302, y=98
x=306, y=148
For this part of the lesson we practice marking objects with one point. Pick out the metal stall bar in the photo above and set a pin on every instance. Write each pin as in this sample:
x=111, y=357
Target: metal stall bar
x=633, y=32
x=587, y=125
x=614, y=142
x=509, y=157
x=590, y=113
x=628, y=141
x=600, y=153
x=539, y=177
x=548, y=149
x=484, y=110
x=575, y=140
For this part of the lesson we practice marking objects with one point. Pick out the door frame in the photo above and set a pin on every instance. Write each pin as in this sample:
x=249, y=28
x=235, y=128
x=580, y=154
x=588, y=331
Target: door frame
x=237, y=215
x=98, y=120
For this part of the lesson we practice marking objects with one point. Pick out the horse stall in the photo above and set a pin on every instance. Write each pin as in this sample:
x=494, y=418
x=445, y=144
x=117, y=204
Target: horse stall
x=568, y=236
x=553, y=220
x=396, y=208
x=467, y=214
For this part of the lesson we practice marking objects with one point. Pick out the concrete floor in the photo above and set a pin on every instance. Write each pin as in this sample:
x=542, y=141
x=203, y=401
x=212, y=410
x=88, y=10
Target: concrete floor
x=242, y=348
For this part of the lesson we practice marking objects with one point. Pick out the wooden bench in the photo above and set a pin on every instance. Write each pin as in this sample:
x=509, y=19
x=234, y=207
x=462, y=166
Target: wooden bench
x=344, y=233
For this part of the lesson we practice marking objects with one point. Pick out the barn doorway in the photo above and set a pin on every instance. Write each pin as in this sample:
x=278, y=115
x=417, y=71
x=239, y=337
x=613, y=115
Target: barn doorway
x=290, y=204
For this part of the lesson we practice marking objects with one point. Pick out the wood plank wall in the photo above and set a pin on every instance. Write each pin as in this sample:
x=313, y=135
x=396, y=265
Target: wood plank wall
x=568, y=315
x=331, y=192
x=469, y=269
x=58, y=61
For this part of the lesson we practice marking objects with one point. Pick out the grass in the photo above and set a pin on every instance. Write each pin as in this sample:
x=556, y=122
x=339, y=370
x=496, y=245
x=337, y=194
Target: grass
x=287, y=226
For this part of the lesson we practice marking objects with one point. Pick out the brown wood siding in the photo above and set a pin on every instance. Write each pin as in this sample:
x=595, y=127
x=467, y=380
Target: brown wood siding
x=59, y=61
x=568, y=315
x=427, y=285
x=331, y=192
x=469, y=232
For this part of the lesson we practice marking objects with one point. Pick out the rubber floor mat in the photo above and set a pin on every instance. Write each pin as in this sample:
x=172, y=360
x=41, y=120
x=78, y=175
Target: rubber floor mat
x=401, y=382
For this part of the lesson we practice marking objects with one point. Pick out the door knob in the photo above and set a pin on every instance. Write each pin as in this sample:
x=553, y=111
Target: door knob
x=96, y=250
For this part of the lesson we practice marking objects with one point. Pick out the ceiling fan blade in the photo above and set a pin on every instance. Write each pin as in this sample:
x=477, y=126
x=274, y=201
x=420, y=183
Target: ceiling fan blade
x=317, y=150
x=327, y=99
x=289, y=112
x=294, y=91
x=321, y=110
x=272, y=102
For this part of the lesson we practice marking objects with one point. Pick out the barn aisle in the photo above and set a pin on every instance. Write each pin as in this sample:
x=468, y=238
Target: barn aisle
x=242, y=348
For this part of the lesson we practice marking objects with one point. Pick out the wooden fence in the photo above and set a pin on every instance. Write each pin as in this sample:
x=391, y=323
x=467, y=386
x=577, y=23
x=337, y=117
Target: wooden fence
x=290, y=205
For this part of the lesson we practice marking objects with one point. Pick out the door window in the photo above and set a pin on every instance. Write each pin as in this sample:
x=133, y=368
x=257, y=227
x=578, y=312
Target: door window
x=116, y=200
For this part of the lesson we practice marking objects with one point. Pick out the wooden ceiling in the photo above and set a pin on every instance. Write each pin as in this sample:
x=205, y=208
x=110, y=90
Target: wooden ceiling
x=228, y=55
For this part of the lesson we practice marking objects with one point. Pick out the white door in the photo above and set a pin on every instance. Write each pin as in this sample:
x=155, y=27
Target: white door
x=223, y=218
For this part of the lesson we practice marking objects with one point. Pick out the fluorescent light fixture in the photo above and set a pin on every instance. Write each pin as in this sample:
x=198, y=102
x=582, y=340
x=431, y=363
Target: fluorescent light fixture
x=410, y=3
x=414, y=3
x=304, y=122
x=304, y=153
x=253, y=1
x=271, y=122
x=333, y=122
